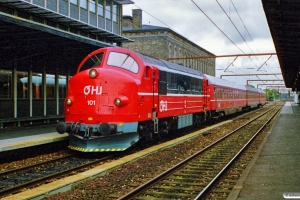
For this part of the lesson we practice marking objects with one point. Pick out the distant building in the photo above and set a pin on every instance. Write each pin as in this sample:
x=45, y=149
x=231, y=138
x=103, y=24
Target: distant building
x=162, y=43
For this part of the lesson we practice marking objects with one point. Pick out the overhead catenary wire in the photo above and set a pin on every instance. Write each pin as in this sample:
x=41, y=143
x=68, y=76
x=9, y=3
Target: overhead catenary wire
x=210, y=20
x=217, y=26
x=242, y=21
x=237, y=31
x=184, y=47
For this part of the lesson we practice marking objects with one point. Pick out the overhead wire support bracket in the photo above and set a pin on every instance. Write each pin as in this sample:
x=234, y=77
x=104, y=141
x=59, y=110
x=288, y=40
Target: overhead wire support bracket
x=231, y=63
x=258, y=69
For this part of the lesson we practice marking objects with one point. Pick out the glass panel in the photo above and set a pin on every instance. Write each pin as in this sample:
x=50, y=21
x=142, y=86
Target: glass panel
x=115, y=12
x=83, y=4
x=100, y=7
x=22, y=85
x=37, y=86
x=123, y=61
x=92, y=6
x=74, y=2
x=50, y=86
x=108, y=9
x=93, y=61
x=62, y=86
x=5, y=84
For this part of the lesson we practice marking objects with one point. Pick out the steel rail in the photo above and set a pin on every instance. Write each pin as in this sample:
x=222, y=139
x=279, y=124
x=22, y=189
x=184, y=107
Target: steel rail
x=205, y=190
x=14, y=170
x=149, y=183
x=18, y=187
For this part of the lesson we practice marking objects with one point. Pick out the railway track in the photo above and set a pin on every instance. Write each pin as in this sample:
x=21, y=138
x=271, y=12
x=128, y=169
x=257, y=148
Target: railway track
x=194, y=177
x=15, y=180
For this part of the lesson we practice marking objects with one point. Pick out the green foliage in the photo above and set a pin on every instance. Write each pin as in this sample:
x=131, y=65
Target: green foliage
x=272, y=95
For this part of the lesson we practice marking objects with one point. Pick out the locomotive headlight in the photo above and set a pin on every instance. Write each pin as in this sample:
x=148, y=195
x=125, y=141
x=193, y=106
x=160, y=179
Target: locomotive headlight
x=121, y=101
x=68, y=101
x=93, y=73
x=118, y=101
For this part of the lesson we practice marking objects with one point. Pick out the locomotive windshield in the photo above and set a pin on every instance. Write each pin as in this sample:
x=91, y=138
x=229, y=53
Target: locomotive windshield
x=93, y=61
x=122, y=60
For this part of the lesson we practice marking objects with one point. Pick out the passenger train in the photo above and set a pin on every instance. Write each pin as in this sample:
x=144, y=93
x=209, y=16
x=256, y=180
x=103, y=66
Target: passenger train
x=119, y=97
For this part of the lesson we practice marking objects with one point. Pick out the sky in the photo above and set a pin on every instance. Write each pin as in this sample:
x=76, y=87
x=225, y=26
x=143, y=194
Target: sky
x=223, y=27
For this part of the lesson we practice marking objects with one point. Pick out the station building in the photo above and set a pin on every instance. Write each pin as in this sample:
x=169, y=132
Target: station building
x=41, y=44
x=163, y=43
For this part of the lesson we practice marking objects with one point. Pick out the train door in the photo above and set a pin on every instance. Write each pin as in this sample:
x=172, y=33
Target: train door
x=155, y=96
x=206, y=94
x=205, y=98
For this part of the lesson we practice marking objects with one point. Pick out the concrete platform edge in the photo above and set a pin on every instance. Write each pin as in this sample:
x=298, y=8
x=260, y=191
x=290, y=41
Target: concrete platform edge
x=39, y=141
x=239, y=185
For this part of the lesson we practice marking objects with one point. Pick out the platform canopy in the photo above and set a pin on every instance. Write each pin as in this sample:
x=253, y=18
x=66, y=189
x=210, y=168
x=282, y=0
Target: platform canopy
x=284, y=23
x=35, y=38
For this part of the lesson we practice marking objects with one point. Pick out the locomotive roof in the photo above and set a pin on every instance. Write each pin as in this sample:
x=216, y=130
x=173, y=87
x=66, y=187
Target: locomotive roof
x=170, y=67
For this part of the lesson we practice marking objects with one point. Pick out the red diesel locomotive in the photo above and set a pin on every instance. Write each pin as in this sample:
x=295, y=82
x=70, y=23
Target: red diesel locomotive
x=119, y=97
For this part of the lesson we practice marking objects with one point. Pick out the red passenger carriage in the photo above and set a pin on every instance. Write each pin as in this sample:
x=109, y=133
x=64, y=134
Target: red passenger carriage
x=226, y=97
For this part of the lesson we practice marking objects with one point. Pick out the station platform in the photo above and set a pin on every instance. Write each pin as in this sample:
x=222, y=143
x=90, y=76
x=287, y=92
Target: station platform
x=274, y=172
x=17, y=138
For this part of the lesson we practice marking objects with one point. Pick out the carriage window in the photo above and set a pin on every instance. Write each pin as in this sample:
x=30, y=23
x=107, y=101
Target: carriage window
x=93, y=61
x=124, y=61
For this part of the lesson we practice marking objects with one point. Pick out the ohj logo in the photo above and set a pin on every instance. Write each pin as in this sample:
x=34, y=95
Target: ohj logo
x=92, y=90
x=163, y=106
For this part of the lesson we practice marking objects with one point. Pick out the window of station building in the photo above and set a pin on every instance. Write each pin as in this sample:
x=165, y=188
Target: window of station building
x=100, y=7
x=74, y=2
x=62, y=82
x=5, y=84
x=108, y=9
x=37, y=86
x=83, y=4
x=50, y=86
x=115, y=12
x=22, y=85
x=92, y=6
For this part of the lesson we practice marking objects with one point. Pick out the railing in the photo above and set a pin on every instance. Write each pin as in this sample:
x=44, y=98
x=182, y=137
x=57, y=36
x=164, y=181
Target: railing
x=100, y=16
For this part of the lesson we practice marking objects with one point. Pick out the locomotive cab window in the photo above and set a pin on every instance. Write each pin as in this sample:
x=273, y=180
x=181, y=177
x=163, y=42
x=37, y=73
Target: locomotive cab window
x=124, y=61
x=93, y=61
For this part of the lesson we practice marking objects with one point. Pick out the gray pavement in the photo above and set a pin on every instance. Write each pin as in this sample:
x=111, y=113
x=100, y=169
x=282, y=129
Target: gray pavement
x=16, y=132
x=275, y=170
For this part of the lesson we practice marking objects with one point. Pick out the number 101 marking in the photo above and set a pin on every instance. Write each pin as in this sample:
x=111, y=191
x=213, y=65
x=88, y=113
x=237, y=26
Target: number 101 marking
x=91, y=102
